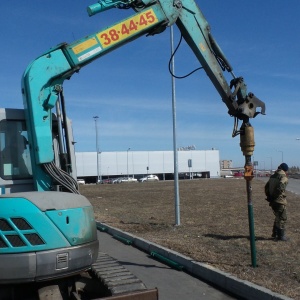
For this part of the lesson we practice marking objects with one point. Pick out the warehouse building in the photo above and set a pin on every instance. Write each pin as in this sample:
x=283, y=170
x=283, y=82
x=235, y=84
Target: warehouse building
x=193, y=163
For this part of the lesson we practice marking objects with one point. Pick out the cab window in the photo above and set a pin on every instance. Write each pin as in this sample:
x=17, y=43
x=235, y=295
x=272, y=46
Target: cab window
x=15, y=160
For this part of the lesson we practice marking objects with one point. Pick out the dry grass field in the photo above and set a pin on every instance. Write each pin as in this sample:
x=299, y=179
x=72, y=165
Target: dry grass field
x=214, y=225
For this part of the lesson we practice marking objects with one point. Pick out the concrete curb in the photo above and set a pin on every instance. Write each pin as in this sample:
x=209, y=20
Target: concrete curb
x=220, y=279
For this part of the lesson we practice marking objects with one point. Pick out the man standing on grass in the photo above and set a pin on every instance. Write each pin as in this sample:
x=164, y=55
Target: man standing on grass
x=275, y=192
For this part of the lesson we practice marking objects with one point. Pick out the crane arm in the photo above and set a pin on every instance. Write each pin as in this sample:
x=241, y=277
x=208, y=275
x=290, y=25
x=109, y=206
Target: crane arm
x=43, y=79
x=196, y=31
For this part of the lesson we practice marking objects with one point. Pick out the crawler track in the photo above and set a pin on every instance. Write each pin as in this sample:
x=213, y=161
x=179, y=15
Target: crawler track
x=107, y=279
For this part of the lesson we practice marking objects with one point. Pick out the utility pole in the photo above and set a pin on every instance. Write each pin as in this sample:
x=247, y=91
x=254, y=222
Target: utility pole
x=281, y=155
x=127, y=163
x=176, y=181
x=97, y=147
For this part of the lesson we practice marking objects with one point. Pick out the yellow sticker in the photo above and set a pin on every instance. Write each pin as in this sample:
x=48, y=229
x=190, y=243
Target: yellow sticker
x=127, y=28
x=84, y=45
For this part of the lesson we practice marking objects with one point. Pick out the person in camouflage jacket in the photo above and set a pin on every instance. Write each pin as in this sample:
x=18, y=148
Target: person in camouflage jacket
x=275, y=192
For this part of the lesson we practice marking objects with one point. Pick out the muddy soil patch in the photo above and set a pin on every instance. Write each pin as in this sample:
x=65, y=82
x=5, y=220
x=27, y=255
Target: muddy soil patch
x=214, y=225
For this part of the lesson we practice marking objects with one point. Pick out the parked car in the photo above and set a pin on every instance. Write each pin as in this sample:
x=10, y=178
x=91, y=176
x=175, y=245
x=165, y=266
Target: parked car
x=128, y=179
x=238, y=174
x=108, y=181
x=149, y=178
x=117, y=180
x=80, y=181
x=228, y=176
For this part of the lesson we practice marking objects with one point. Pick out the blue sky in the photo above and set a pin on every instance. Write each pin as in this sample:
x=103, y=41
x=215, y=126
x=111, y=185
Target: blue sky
x=130, y=88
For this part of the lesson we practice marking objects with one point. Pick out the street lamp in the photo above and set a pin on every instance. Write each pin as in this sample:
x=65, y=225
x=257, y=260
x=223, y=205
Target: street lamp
x=127, y=163
x=100, y=168
x=97, y=146
x=281, y=155
x=176, y=180
x=271, y=163
x=132, y=161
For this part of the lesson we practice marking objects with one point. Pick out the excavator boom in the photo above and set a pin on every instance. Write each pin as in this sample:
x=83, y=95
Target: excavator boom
x=43, y=80
x=47, y=231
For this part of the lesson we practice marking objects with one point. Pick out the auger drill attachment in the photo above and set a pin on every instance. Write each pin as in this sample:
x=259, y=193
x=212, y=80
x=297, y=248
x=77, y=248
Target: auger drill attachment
x=247, y=144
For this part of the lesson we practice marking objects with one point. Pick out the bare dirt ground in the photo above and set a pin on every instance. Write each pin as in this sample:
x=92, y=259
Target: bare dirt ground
x=214, y=225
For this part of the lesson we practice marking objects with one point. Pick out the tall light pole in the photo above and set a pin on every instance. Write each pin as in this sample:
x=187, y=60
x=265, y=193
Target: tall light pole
x=176, y=182
x=132, y=161
x=100, y=168
x=271, y=163
x=127, y=163
x=281, y=155
x=97, y=146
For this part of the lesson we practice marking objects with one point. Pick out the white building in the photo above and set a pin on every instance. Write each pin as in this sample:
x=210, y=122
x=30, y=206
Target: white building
x=136, y=163
x=226, y=164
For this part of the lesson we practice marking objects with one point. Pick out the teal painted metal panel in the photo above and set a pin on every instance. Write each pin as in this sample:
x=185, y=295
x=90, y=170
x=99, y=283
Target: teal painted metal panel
x=77, y=224
x=98, y=44
x=38, y=85
x=38, y=223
